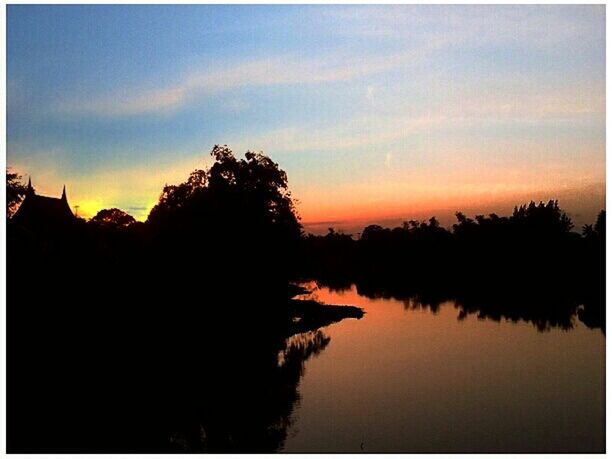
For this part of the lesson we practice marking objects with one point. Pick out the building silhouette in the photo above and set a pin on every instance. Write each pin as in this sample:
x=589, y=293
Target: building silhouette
x=39, y=212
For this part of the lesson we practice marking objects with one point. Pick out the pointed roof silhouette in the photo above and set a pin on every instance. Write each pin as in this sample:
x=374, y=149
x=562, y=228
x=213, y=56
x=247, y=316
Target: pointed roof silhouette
x=36, y=210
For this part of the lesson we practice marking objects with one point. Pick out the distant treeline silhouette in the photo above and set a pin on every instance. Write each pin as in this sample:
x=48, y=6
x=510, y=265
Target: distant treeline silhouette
x=529, y=265
x=179, y=334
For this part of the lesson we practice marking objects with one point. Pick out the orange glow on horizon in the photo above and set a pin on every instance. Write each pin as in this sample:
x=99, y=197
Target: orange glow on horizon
x=583, y=201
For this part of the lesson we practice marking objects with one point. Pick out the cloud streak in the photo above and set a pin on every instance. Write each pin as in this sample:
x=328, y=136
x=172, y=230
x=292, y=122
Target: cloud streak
x=421, y=30
x=533, y=25
x=462, y=111
x=273, y=71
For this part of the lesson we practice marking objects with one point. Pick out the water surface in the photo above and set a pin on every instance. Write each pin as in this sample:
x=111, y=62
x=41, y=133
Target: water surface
x=406, y=379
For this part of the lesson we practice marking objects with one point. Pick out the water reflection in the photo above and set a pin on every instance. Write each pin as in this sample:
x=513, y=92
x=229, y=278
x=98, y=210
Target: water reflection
x=251, y=415
x=412, y=378
x=545, y=308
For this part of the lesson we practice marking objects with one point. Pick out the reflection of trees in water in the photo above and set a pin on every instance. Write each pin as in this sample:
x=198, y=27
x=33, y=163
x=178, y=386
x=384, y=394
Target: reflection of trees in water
x=252, y=413
x=300, y=347
x=418, y=304
x=528, y=266
x=544, y=315
x=544, y=310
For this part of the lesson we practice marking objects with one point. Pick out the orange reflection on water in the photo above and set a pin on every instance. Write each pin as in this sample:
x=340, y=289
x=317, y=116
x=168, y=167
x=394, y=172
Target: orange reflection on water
x=408, y=380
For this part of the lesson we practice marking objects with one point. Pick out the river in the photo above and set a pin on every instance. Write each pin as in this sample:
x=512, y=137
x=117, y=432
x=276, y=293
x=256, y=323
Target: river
x=409, y=378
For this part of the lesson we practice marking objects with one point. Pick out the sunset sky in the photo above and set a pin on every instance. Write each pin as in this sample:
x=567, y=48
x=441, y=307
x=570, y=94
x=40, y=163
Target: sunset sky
x=377, y=113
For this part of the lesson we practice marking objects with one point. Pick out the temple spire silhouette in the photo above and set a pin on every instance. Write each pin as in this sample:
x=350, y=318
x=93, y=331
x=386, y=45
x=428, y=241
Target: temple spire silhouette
x=39, y=212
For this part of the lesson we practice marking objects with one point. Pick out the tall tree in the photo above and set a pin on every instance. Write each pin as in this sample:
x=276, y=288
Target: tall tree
x=235, y=217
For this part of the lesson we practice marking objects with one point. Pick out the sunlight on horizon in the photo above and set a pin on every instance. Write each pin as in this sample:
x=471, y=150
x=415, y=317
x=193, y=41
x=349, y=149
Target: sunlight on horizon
x=376, y=113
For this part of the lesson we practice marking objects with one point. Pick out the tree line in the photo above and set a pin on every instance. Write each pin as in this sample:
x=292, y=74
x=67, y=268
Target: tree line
x=529, y=265
x=233, y=228
x=165, y=335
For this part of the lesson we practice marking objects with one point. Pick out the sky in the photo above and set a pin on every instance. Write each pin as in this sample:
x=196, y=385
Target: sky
x=377, y=113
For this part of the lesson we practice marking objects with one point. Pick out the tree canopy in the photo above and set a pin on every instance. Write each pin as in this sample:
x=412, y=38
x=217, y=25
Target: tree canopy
x=113, y=218
x=253, y=190
x=15, y=192
x=237, y=216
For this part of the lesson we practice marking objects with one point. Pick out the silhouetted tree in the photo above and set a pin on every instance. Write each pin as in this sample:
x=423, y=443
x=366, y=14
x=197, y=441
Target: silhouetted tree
x=542, y=218
x=175, y=196
x=255, y=183
x=114, y=218
x=15, y=192
x=600, y=224
x=238, y=215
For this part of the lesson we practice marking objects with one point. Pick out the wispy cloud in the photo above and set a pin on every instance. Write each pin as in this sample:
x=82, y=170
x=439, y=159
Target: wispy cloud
x=274, y=71
x=421, y=30
x=535, y=25
x=358, y=133
x=396, y=123
x=385, y=100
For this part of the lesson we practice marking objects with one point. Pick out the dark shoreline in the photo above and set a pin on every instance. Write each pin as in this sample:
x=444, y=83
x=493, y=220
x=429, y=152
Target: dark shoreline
x=313, y=315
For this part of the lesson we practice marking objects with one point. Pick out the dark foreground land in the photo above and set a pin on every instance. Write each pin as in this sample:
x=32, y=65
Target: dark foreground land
x=181, y=334
x=175, y=335
x=141, y=369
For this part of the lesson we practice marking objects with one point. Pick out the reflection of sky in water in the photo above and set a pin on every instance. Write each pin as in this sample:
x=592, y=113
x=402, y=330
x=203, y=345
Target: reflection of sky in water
x=406, y=380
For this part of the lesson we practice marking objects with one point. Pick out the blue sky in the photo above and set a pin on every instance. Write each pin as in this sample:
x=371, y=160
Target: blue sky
x=374, y=111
